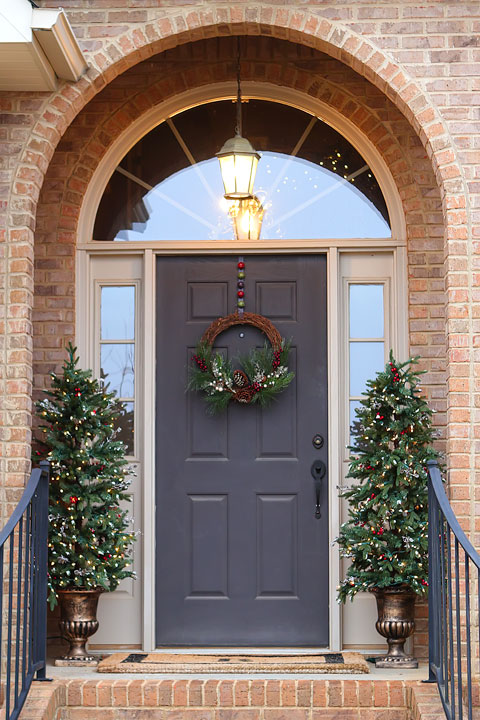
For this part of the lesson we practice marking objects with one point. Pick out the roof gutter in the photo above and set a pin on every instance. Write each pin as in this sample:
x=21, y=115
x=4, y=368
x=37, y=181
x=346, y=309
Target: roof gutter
x=55, y=36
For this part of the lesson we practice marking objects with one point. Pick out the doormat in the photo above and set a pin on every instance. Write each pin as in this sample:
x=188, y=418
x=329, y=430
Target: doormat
x=345, y=662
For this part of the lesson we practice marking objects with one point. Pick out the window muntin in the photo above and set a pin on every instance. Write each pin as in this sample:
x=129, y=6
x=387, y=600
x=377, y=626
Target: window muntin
x=117, y=353
x=312, y=181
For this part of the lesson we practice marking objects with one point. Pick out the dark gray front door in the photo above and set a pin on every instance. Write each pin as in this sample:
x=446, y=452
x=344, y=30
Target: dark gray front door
x=241, y=558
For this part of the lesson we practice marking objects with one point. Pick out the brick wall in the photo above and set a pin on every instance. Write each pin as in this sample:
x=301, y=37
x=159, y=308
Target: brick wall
x=408, y=75
x=422, y=59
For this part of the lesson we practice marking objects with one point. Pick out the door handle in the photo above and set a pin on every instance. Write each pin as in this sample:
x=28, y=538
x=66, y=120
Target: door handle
x=318, y=471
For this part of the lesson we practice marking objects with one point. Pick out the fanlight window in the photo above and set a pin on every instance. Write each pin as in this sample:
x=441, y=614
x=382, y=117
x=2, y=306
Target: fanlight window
x=311, y=182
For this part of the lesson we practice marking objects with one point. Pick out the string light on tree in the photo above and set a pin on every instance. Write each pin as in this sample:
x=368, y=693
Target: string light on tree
x=385, y=536
x=89, y=537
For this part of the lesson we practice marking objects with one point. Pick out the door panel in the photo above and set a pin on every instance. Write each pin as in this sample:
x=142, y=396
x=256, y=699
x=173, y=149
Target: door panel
x=241, y=559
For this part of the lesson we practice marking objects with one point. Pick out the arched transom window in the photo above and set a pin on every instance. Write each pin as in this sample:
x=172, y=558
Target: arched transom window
x=311, y=181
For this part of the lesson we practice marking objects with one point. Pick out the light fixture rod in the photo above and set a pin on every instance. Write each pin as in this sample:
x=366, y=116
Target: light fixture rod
x=238, y=128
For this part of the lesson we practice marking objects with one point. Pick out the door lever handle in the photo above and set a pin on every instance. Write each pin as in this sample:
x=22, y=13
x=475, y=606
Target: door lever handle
x=318, y=471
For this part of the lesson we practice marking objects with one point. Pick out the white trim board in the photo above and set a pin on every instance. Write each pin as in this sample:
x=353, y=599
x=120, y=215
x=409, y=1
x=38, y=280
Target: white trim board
x=343, y=266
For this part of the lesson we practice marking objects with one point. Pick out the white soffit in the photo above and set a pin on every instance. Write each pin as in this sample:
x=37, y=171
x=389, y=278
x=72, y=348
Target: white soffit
x=37, y=46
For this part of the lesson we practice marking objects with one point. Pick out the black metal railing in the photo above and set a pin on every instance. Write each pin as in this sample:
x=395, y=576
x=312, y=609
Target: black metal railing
x=23, y=595
x=454, y=574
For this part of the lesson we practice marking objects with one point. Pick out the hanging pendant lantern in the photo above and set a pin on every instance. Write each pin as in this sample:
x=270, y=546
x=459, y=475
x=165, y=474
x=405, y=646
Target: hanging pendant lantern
x=238, y=159
x=238, y=165
x=247, y=217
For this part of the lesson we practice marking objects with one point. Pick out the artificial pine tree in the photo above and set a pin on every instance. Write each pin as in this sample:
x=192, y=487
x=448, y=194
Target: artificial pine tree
x=385, y=536
x=89, y=541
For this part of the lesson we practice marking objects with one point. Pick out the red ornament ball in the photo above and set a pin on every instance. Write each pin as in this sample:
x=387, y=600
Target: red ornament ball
x=73, y=500
x=240, y=294
x=241, y=265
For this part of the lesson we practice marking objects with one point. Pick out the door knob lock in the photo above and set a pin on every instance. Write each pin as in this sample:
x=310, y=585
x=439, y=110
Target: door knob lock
x=317, y=441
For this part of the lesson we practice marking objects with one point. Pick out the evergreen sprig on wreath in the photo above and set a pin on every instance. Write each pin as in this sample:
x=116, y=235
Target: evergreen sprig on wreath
x=263, y=375
x=385, y=537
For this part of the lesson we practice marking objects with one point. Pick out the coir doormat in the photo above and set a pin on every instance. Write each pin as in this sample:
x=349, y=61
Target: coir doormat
x=345, y=662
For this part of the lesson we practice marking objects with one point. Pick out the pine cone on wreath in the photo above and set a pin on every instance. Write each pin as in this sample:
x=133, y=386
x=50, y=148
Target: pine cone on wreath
x=240, y=379
x=244, y=395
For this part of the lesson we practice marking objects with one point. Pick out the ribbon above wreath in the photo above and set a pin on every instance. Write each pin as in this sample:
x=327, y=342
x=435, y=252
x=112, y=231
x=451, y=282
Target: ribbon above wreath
x=262, y=374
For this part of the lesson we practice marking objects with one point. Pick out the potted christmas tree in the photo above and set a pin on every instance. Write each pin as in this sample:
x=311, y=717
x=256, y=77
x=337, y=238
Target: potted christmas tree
x=385, y=537
x=89, y=541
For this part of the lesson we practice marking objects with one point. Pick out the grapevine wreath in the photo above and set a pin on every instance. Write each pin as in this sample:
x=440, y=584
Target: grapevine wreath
x=263, y=375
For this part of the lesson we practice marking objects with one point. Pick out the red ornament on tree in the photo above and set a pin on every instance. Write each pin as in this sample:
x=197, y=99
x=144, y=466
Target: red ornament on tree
x=73, y=499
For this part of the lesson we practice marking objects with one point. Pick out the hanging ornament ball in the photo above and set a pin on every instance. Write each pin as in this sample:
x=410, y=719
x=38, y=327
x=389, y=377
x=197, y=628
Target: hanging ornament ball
x=240, y=284
x=241, y=265
x=241, y=303
x=240, y=293
x=241, y=275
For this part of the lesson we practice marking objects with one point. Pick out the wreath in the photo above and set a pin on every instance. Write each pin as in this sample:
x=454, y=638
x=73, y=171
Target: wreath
x=262, y=375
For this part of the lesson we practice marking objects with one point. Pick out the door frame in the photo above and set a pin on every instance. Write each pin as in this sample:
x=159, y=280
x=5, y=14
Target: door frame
x=335, y=331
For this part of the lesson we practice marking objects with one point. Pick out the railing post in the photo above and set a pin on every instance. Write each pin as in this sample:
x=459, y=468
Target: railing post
x=41, y=591
x=432, y=612
x=27, y=592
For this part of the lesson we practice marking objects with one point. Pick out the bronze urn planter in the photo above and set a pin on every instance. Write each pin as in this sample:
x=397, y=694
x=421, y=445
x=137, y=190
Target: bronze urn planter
x=396, y=622
x=78, y=621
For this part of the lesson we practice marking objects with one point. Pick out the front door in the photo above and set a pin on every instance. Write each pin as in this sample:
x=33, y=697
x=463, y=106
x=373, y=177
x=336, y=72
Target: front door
x=241, y=558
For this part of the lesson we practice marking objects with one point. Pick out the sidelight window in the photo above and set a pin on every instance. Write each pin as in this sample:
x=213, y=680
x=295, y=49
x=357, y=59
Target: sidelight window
x=366, y=341
x=117, y=353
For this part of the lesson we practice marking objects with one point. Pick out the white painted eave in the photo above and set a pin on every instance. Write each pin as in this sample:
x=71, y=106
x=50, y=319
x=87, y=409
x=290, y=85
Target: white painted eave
x=37, y=47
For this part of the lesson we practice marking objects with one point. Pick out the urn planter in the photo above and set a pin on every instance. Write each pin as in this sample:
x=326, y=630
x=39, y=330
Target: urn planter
x=78, y=621
x=396, y=622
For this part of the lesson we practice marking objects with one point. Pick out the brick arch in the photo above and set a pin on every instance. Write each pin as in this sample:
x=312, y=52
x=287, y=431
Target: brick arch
x=89, y=138
x=129, y=48
x=299, y=26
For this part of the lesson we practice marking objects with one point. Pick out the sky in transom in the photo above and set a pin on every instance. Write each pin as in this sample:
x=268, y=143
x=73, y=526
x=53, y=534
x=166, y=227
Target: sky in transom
x=301, y=200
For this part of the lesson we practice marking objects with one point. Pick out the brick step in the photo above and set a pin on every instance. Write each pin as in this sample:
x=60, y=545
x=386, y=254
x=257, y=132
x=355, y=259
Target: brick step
x=233, y=699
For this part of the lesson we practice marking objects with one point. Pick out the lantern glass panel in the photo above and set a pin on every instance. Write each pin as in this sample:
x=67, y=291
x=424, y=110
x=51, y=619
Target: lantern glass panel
x=243, y=174
x=228, y=171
